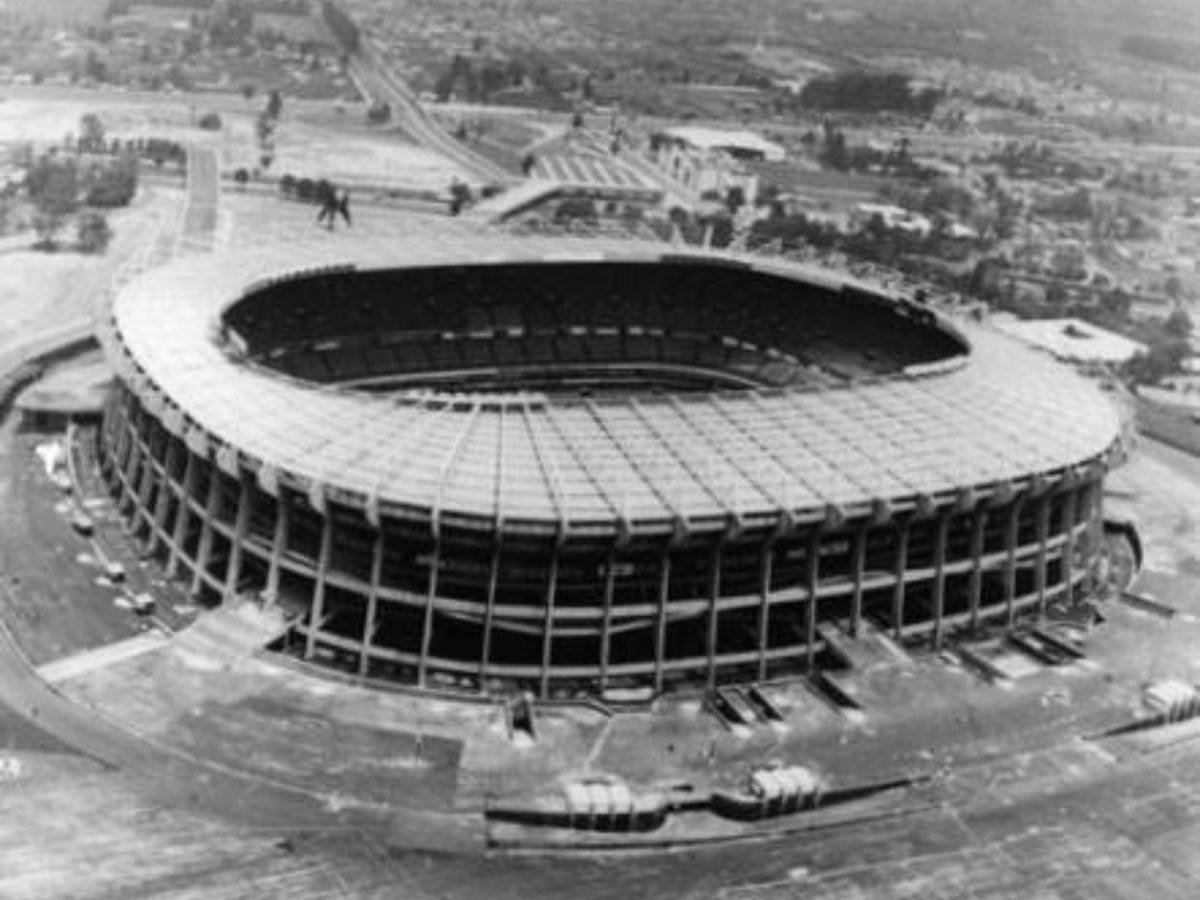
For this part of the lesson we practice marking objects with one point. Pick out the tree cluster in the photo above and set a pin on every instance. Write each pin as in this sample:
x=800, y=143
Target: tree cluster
x=870, y=92
x=306, y=190
x=231, y=22
x=341, y=25
x=1170, y=51
x=477, y=80
x=110, y=184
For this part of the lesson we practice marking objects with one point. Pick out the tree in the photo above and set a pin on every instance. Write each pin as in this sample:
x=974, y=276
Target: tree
x=92, y=232
x=53, y=187
x=111, y=185
x=1172, y=286
x=91, y=133
x=460, y=196
x=1163, y=358
x=210, y=121
x=1178, y=324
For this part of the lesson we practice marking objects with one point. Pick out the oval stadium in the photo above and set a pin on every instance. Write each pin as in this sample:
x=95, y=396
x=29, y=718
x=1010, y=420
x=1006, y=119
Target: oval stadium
x=606, y=473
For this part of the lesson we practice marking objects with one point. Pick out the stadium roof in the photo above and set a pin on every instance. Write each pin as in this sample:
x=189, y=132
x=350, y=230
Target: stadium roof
x=525, y=460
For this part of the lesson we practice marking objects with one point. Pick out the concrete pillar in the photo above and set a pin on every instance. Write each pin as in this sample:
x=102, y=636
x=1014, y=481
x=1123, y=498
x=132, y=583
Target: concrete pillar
x=857, y=562
x=182, y=513
x=899, y=588
x=548, y=623
x=812, y=581
x=1010, y=564
x=939, y=576
x=489, y=615
x=146, y=475
x=978, y=534
x=427, y=624
x=129, y=480
x=1070, y=520
x=368, y=635
x=714, y=595
x=660, y=633
x=1043, y=537
x=206, y=532
x=764, y=606
x=162, y=504
x=610, y=581
x=240, y=526
x=278, y=545
x=317, y=609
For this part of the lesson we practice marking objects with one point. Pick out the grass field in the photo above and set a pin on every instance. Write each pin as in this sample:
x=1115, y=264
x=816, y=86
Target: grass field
x=54, y=11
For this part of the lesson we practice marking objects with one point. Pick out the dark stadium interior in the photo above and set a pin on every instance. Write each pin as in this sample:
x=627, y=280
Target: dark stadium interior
x=580, y=327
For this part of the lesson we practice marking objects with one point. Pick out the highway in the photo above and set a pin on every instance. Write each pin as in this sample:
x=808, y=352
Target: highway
x=374, y=79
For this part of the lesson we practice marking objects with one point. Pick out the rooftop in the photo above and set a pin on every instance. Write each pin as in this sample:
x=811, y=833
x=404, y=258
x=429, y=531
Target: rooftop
x=649, y=462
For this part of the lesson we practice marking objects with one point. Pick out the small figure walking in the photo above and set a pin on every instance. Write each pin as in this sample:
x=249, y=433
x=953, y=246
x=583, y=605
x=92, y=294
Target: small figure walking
x=343, y=207
x=328, y=198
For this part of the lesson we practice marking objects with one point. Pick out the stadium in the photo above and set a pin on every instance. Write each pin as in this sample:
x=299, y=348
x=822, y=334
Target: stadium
x=608, y=472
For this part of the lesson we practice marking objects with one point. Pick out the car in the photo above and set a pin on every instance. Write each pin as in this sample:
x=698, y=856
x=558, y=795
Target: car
x=82, y=523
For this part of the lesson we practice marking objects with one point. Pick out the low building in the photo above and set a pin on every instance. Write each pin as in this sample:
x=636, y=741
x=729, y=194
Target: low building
x=1071, y=340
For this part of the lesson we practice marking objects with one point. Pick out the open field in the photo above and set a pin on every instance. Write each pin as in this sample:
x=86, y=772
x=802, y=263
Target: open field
x=54, y=12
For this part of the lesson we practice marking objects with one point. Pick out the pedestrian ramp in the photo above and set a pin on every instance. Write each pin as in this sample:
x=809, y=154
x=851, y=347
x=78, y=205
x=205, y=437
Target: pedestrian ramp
x=87, y=661
x=237, y=629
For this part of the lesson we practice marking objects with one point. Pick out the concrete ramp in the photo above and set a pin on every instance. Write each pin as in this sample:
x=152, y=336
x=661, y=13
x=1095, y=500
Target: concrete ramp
x=77, y=664
x=234, y=630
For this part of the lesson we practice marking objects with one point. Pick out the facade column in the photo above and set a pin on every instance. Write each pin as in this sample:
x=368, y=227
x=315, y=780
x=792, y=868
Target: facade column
x=660, y=632
x=368, y=634
x=240, y=527
x=714, y=593
x=162, y=504
x=182, y=513
x=610, y=586
x=764, y=606
x=317, y=609
x=1043, y=537
x=1070, y=516
x=145, y=480
x=200, y=567
x=548, y=622
x=427, y=621
x=123, y=429
x=857, y=562
x=278, y=545
x=939, y=576
x=1010, y=564
x=129, y=473
x=489, y=614
x=978, y=535
x=899, y=587
x=812, y=582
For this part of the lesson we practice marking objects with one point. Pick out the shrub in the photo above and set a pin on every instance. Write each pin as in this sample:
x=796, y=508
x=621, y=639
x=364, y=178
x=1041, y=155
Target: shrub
x=93, y=232
x=112, y=185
